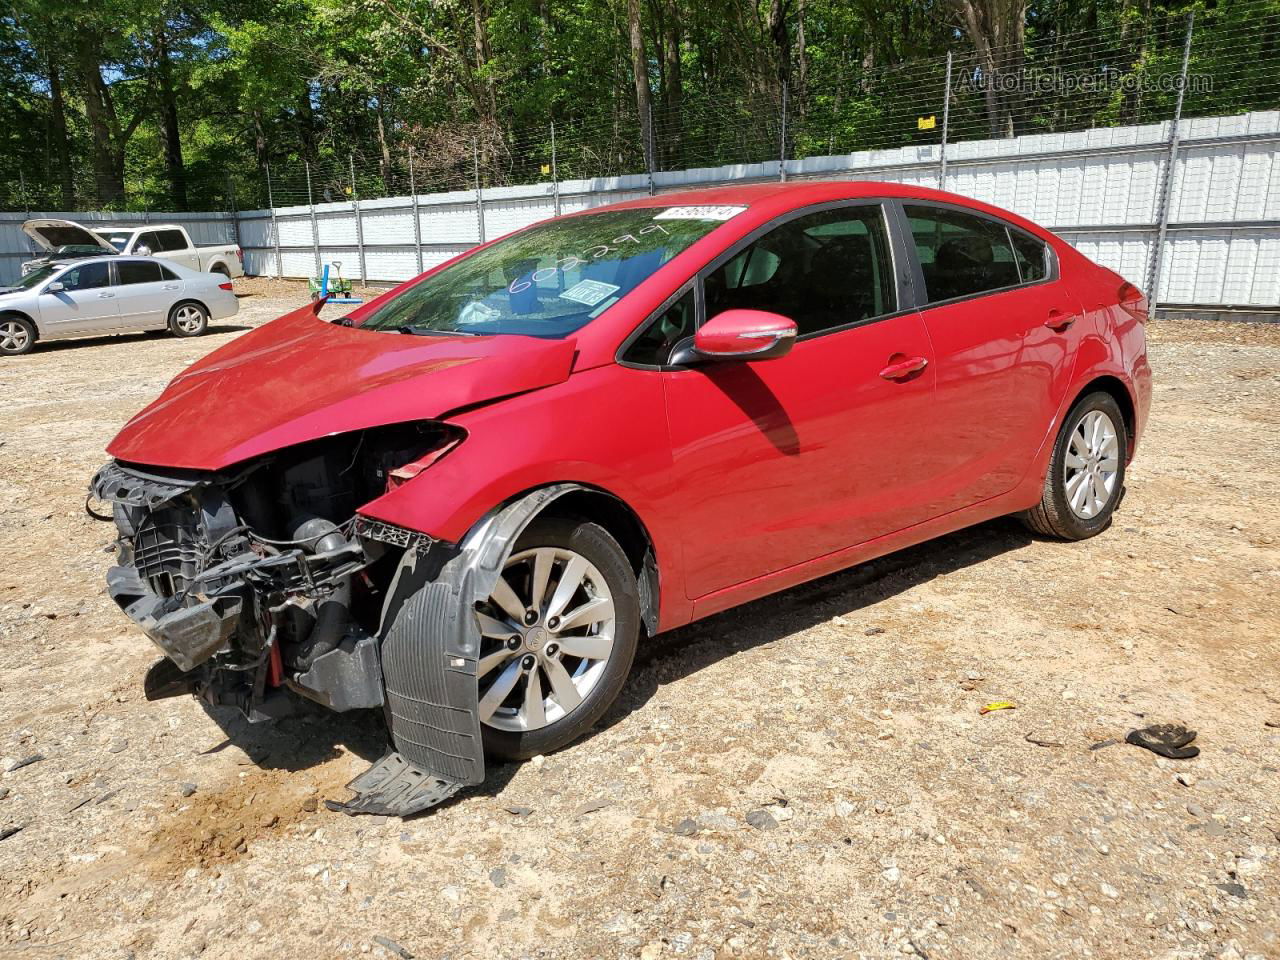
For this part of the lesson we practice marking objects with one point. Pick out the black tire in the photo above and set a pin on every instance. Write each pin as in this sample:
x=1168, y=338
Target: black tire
x=17, y=335
x=1054, y=516
x=178, y=325
x=599, y=548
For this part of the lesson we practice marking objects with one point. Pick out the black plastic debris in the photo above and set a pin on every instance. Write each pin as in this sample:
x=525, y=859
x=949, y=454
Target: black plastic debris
x=1165, y=739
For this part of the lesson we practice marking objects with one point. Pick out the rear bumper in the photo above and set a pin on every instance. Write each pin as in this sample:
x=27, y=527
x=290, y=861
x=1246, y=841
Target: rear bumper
x=223, y=307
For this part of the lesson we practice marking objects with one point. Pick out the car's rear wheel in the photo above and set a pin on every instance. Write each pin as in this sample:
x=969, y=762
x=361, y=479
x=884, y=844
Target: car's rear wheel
x=17, y=336
x=188, y=320
x=1086, y=474
x=559, y=635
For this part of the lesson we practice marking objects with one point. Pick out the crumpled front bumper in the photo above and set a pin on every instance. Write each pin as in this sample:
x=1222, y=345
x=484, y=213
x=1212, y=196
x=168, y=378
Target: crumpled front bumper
x=188, y=635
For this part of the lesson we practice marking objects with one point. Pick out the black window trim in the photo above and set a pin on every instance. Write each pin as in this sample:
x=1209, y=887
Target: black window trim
x=904, y=226
x=186, y=244
x=903, y=267
x=145, y=261
x=111, y=273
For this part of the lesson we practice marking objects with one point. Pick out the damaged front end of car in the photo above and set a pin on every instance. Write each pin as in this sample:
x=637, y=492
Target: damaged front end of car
x=263, y=581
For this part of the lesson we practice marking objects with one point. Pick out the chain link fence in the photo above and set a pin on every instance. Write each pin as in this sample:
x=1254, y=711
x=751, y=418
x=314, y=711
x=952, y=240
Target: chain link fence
x=1094, y=78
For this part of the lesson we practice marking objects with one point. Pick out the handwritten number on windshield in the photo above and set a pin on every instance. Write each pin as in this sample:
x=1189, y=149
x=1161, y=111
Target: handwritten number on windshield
x=565, y=264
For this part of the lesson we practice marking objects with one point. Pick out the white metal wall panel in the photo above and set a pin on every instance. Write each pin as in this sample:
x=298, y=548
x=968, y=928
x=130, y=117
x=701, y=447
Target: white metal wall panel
x=1125, y=252
x=449, y=223
x=1063, y=181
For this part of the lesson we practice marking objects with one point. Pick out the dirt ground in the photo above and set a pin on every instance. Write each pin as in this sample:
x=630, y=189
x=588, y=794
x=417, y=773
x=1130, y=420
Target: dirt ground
x=896, y=819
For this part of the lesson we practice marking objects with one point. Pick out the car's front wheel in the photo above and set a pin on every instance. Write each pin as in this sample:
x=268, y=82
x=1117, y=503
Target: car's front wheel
x=1086, y=473
x=559, y=635
x=17, y=336
x=188, y=320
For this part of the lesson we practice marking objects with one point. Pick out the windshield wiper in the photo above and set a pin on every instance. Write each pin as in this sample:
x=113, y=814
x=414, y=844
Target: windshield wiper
x=429, y=332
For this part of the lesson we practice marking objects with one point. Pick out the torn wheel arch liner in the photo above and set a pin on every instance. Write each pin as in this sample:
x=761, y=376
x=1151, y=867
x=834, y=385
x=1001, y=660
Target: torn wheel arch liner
x=430, y=649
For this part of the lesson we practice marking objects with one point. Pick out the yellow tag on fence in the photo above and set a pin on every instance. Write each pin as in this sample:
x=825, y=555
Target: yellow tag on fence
x=926, y=123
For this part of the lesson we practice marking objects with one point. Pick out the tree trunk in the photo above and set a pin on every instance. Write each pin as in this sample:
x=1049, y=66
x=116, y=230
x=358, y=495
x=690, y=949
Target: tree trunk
x=640, y=76
x=170, y=134
x=781, y=38
x=384, y=150
x=673, y=82
x=108, y=163
x=802, y=80
x=58, y=121
x=488, y=105
x=306, y=124
x=997, y=29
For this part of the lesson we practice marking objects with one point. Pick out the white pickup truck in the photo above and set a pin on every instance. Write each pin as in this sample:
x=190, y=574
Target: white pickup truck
x=65, y=239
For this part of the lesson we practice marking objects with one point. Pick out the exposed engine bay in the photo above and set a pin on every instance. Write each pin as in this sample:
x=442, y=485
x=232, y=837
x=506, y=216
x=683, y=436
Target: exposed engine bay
x=264, y=576
x=262, y=582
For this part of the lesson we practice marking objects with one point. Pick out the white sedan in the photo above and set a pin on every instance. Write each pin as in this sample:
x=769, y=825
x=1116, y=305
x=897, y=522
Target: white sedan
x=90, y=297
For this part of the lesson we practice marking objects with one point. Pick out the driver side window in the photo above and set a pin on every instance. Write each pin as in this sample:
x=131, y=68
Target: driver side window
x=824, y=270
x=87, y=277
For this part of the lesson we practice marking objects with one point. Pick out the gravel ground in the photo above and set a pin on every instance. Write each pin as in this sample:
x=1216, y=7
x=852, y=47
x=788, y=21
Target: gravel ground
x=808, y=776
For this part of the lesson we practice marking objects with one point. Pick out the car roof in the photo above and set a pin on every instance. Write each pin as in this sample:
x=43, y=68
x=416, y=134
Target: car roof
x=105, y=258
x=771, y=199
x=135, y=226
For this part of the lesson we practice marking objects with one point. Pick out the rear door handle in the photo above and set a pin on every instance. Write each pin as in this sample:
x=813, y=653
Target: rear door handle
x=105, y=296
x=1059, y=321
x=172, y=286
x=904, y=368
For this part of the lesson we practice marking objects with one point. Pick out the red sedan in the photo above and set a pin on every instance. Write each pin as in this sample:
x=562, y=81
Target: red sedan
x=467, y=501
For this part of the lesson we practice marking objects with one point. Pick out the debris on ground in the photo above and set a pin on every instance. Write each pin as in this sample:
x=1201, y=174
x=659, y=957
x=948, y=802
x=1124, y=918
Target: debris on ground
x=12, y=765
x=1041, y=741
x=388, y=944
x=1169, y=740
x=997, y=705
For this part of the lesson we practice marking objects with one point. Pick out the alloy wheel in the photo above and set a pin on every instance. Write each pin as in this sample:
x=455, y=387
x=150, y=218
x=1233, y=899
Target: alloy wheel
x=188, y=319
x=14, y=337
x=548, y=630
x=1091, y=465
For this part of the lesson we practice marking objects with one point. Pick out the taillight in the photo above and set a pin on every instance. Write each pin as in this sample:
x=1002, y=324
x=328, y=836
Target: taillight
x=239, y=254
x=225, y=286
x=1132, y=301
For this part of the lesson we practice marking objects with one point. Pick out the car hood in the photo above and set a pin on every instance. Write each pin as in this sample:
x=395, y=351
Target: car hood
x=51, y=234
x=300, y=378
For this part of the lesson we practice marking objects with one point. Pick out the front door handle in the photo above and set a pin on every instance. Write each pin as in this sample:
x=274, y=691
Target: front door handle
x=904, y=368
x=1059, y=321
x=105, y=296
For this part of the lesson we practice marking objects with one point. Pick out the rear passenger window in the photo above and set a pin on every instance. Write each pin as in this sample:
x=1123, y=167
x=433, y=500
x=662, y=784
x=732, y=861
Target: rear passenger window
x=138, y=271
x=824, y=270
x=171, y=240
x=166, y=273
x=1032, y=254
x=960, y=254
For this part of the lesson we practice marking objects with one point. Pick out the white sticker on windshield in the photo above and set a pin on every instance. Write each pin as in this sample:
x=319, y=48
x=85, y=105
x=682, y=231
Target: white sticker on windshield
x=588, y=292
x=699, y=213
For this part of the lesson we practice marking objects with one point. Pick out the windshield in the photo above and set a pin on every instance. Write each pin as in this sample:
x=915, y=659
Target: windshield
x=36, y=277
x=551, y=279
x=117, y=240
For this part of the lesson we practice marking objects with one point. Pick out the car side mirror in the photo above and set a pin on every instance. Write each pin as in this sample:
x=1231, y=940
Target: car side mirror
x=142, y=251
x=55, y=287
x=743, y=335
